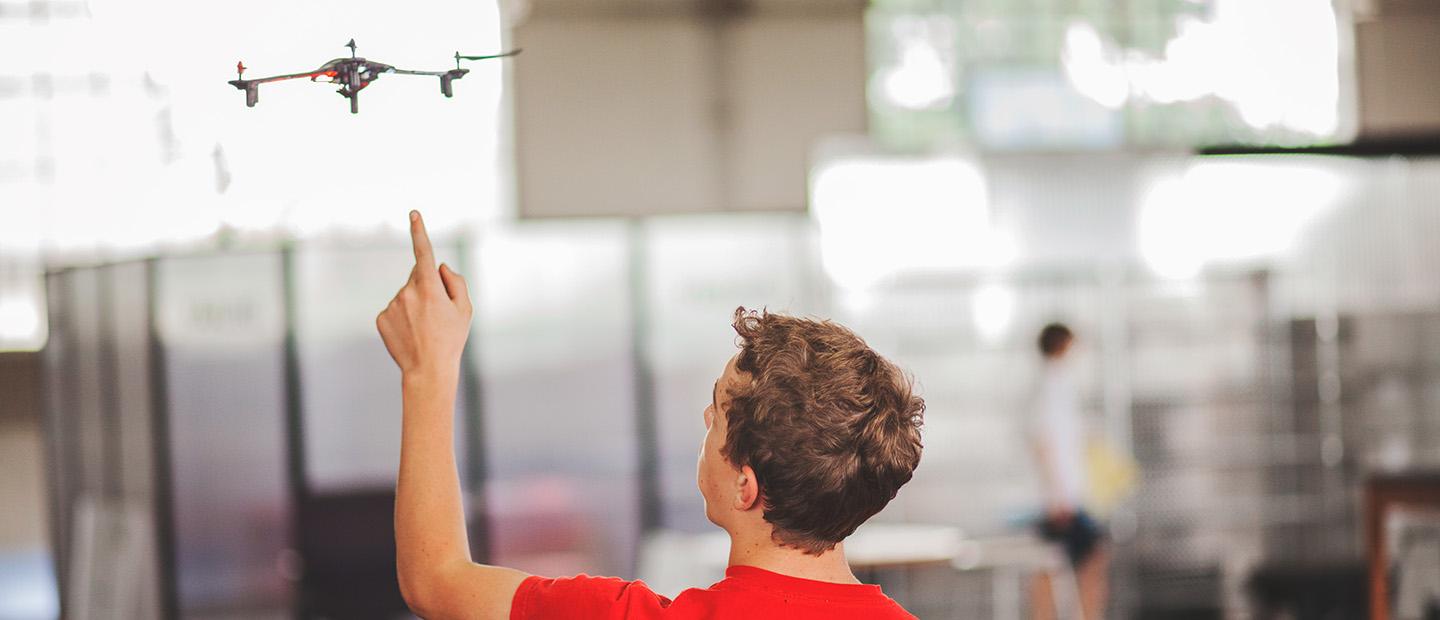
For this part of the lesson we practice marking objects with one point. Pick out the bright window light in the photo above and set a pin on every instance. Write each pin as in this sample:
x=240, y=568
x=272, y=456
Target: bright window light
x=22, y=321
x=128, y=141
x=881, y=216
x=19, y=320
x=151, y=148
x=993, y=308
x=923, y=75
x=1276, y=62
x=28, y=589
x=1091, y=65
x=1232, y=211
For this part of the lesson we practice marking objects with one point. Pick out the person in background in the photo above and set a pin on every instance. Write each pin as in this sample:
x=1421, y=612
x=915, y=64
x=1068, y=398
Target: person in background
x=1056, y=432
x=809, y=433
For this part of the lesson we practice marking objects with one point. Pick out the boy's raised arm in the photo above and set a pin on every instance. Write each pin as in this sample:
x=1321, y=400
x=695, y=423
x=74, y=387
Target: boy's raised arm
x=424, y=328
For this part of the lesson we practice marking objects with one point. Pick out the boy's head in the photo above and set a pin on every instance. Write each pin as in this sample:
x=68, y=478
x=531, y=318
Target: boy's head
x=810, y=432
x=1055, y=340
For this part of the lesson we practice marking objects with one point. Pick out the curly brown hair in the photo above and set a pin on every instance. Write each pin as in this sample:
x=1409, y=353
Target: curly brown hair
x=831, y=428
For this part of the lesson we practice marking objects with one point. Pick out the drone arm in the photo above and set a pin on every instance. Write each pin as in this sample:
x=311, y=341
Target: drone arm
x=414, y=72
x=447, y=78
x=252, y=87
x=292, y=76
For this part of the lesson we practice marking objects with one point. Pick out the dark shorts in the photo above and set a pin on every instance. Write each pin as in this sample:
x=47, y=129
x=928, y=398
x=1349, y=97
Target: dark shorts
x=1080, y=535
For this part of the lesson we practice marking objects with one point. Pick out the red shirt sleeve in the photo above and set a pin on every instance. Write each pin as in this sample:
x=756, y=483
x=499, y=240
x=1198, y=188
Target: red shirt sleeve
x=583, y=596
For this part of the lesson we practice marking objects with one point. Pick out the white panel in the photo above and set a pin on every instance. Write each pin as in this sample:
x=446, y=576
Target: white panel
x=1398, y=88
x=614, y=117
x=794, y=81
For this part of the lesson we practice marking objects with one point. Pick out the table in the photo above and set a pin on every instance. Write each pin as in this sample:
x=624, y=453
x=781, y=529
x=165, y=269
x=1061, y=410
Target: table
x=892, y=545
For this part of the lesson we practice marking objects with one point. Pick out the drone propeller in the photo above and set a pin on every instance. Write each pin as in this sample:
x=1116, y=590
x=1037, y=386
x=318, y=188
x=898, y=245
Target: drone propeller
x=240, y=70
x=351, y=45
x=513, y=52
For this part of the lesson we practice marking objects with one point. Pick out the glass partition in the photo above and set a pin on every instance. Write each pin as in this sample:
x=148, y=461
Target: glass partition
x=85, y=406
x=127, y=314
x=63, y=477
x=350, y=388
x=697, y=270
x=221, y=326
x=555, y=352
x=130, y=401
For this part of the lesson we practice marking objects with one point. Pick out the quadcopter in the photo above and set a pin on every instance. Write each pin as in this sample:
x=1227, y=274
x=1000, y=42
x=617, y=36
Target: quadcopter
x=353, y=74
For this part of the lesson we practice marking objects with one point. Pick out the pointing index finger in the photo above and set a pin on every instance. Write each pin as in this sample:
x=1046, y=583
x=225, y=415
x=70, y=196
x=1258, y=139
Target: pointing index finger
x=424, y=254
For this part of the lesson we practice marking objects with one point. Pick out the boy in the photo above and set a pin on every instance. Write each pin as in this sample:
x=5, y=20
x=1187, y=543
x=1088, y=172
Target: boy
x=809, y=433
x=1057, y=439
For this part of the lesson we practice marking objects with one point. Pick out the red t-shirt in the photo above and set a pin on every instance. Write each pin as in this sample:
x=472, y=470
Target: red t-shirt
x=746, y=592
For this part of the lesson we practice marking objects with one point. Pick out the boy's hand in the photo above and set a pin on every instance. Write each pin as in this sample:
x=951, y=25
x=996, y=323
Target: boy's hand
x=426, y=324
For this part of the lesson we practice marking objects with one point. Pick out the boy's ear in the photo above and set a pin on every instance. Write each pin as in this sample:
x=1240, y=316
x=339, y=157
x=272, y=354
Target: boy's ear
x=747, y=489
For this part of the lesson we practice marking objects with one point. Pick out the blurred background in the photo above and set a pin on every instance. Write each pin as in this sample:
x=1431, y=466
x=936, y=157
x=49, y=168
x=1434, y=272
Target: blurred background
x=1234, y=203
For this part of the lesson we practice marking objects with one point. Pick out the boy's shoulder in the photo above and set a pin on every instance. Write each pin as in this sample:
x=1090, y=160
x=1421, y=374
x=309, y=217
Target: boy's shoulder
x=747, y=592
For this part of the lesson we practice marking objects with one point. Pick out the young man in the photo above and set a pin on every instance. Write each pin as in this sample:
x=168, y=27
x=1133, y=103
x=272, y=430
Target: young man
x=1057, y=438
x=809, y=433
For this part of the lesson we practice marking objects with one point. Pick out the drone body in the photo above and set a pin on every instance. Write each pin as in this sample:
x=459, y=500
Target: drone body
x=353, y=74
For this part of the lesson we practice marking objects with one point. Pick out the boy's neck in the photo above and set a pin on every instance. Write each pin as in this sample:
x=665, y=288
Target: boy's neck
x=759, y=550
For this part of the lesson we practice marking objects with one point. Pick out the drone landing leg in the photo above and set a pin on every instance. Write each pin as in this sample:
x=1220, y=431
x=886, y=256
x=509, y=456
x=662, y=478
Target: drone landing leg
x=252, y=96
x=355, y=103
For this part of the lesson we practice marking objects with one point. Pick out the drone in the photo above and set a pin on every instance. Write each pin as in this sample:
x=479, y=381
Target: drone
x=353, y=74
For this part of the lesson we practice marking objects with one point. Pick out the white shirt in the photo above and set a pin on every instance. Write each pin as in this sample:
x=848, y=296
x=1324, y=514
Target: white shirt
x=1055, y=421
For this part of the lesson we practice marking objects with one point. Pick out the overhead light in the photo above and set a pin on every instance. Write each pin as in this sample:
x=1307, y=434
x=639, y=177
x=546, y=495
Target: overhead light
x=1231, y=211
x=1091, y=69
x=22, y=328
x=923, y=75
x=880, y=216
x=993, y=309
